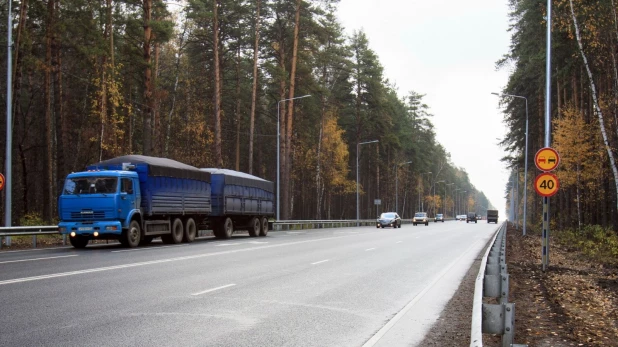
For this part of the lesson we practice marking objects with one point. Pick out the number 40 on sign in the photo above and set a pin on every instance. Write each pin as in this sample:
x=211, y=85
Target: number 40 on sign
x=546, y=184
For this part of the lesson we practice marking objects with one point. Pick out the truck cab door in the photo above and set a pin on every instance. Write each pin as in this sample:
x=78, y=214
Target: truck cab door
x=127, y=197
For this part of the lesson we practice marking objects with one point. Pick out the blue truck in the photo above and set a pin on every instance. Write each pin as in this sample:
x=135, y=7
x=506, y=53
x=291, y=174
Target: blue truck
x=136, y=198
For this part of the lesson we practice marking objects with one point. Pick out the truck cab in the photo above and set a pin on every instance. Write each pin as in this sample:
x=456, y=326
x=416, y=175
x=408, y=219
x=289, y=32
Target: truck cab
x=98, y=204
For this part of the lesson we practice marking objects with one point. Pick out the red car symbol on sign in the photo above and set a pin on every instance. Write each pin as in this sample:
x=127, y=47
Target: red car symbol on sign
x=541, y=160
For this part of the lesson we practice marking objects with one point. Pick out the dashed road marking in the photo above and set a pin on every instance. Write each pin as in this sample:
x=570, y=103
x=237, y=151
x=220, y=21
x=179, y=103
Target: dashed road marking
x=213, y=289
x=320, y=262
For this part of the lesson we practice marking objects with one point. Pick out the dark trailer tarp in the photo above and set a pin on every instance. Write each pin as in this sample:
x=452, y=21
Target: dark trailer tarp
x=156, y=167
x=168, y=187
x=238, y=193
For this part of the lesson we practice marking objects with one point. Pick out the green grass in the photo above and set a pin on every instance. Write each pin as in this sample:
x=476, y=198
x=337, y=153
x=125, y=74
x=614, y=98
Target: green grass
x=593, y=240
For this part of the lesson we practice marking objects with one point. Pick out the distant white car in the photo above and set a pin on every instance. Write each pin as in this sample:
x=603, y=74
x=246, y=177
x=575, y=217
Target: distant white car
x=461, y=217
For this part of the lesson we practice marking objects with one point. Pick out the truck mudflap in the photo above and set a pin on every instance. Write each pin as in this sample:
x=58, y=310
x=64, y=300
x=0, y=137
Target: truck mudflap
x=91, y=229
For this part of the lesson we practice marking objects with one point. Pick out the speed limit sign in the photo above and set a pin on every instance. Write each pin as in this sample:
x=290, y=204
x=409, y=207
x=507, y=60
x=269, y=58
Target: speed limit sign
x=546, y=184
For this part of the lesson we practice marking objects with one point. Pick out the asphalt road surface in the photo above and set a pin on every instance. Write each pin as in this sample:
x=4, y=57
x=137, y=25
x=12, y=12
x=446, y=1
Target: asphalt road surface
x=333, y=287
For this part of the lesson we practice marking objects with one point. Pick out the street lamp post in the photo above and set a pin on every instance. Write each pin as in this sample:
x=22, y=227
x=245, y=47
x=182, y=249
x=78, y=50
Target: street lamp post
x=464, y=204
x=9, y=124
x=278, y=140
x=357, y=195
x=397, y=184
x=525, y=160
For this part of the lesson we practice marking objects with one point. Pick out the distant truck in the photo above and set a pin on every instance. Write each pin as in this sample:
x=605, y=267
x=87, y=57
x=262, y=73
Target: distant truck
x=471, y=217
x=492, y=216
x=136, y=198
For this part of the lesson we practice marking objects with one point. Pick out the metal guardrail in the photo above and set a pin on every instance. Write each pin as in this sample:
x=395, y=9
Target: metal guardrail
x=33, y=231
x=493, y=282
x=284, y=225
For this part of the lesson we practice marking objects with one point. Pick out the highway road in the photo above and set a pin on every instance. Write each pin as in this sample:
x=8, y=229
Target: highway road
x=333, y=287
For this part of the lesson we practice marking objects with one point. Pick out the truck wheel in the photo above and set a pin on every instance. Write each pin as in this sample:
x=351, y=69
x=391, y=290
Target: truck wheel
x=78, y=241
x=177, y=231
x=190, y=231
x=228, y=228
x=255, y=227
x=264, y=229
x=132, y=235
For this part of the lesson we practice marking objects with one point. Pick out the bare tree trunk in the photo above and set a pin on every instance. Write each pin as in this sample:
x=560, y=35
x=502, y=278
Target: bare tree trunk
x=59, y=111
x=174, y=92
x=49, y=204
x=255, y=81
x=596, y=103
x=147, y=114
x=238, y=107
x=318, y=178
x=218, y=154
x=287, y=169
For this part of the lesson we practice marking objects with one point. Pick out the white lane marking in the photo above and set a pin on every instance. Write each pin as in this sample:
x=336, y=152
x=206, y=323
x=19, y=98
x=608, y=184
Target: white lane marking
x=213, y=289
x=320, y=262
x=146, y=248
x=33, y=259
x=153, y=262
x=369, y=249
x=296, y=232
x=257, y=242
x=34, y=250
x=375, y=338
x=399, y=242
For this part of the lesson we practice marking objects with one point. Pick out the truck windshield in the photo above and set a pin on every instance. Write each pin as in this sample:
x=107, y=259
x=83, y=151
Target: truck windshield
x=90, y=185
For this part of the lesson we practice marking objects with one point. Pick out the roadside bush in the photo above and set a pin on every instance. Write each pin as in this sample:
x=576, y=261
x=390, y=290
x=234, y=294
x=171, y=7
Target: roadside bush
x=593, y=240
x=31, y=219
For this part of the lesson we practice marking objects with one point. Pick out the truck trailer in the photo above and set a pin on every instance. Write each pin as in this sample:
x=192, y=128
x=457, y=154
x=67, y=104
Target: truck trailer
x=492, y=216
x=134, y=199
x=239, y=202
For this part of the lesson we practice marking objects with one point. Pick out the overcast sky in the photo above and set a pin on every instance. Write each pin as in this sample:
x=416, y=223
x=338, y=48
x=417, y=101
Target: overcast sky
x=447, y=50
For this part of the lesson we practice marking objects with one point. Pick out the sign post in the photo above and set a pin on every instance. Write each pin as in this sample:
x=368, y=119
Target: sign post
x=546, y=185
x=377, y=202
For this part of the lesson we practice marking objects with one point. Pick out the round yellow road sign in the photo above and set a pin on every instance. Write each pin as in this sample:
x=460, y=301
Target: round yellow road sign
x=1, y=181
x=546, y=159
x=546, y=184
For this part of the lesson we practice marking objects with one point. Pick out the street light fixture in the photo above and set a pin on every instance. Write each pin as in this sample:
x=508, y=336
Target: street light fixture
x=397, y=184
x=420, y=188
x=357, y=195
x=278, y=151
x=526, y=158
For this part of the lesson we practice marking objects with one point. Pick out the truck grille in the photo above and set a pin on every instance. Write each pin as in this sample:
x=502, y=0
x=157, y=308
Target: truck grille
x=87, y=214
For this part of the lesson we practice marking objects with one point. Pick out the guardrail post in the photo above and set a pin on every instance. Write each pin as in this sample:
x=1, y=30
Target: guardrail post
x=33, y=241
x=509, y=325
x=64, y=239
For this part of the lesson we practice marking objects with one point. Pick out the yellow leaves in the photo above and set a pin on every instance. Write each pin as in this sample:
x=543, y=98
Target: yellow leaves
x=575, y=140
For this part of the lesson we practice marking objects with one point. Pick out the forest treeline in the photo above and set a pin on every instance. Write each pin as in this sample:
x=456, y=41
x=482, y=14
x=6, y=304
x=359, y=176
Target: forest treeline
x=204, y=82
x=584, y=127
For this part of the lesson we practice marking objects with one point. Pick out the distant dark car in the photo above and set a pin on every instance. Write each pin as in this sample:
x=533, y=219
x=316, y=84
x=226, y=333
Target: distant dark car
x=420, y=218
x=471, y=217
x=439, y=218
x=389, y=219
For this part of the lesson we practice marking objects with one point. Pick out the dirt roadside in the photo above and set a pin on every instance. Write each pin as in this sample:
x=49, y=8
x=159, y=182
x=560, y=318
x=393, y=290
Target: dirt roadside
x=573, y=303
